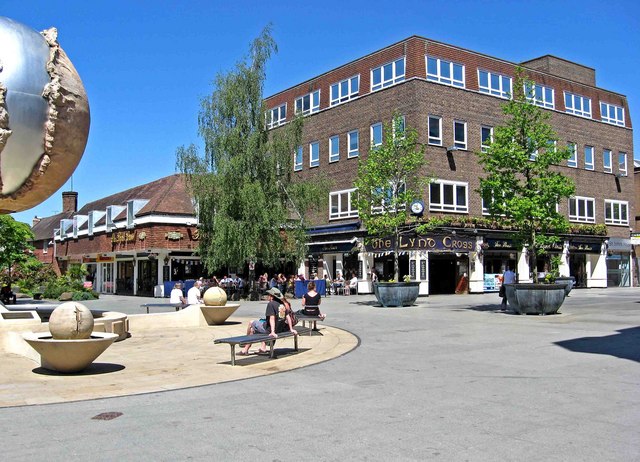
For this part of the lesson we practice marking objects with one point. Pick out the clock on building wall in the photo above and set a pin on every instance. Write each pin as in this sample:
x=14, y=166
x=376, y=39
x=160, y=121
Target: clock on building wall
x=417, y=207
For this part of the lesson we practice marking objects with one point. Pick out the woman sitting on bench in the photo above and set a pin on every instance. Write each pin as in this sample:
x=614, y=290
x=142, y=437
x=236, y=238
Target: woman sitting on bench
x=311, y=302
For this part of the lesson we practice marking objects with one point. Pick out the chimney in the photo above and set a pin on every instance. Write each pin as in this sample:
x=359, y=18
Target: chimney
x=36, y=220
x=69, y=201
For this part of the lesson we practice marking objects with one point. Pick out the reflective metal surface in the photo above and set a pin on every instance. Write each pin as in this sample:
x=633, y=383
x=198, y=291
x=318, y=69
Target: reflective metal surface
x=23, y=56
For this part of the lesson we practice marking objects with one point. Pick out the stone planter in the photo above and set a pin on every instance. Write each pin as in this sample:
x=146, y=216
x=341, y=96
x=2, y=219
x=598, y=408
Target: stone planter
x=568, y=283
x=216, y=315
x=396, y=293
x=535, y=298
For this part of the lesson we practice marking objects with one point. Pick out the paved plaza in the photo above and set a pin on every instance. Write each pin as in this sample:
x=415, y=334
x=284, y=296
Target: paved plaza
x=451, y=379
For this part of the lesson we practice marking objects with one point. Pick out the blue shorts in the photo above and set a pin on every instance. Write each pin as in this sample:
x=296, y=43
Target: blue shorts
x=259, y=326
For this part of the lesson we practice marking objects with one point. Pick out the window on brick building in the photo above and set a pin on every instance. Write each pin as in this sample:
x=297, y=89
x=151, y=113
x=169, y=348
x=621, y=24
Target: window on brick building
x=539, y=95
x=606, y=161
x=277, y=116
x=486, y=138
x=435, y=130
x=573, y=160
x=334, y=149
x=345, y=90
x=622, y=163
x=308, y=103
x=314, y=154
x=582, y=209
x=448, y=196
x=577, y=105
x=387, y=74
x=398, y=127
x=494, y=84
x=616, y=212
x=588, y=157
x=353, y=139
x=376, y=134
x=297, y=161
x=340, y=204
x=45, y=246
x=612, y=114
x=460, y=134
x=446, y=72
x=387, y=197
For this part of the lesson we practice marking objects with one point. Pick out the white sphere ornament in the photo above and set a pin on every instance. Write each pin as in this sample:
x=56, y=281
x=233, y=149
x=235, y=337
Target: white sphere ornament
x=215, y=296
x=44, y=116
x=71, y=321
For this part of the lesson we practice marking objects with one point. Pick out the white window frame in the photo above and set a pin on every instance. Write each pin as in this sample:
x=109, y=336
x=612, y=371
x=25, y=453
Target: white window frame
x=589, y=165
x=402, y=187
x=45, y=246
x=485, y=209
x=612, y=114
x=610, y=207
x=337, y=195
x=540, y=95
x=460, y=144
x=570, y=100
x=350, y=151
x=454, y=207
x=277, y=116
x=439, y=77
x=388, y=80
x=573, y=160
x=584, y=217
x=485, y=147
x=607, y=154
x=314, y=157
x=622, y=163
x=334, y=149
x=336, y=90
x=491, y=88
x=403, y=127
x=372, y=129
x=314, y=103
x=298, y=159
x=433, y=140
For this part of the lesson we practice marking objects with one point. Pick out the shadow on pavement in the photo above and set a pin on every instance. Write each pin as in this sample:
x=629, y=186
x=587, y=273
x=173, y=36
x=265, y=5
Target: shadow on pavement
x=93, y=369
x=622, y=345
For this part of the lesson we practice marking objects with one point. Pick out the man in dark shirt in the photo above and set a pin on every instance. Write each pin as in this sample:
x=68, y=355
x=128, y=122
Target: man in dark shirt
x=267, y=325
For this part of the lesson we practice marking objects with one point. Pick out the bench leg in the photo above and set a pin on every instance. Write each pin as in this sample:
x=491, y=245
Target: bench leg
x=295, y=341
x=271, y=344
x=233, y=354
x=147, y=310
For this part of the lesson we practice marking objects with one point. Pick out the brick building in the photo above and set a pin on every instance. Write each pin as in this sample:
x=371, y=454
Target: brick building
x=131, y=241
x=453, y=97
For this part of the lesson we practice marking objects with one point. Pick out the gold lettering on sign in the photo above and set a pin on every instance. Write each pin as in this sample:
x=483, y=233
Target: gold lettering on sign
x=123, y=236
x=173, y=235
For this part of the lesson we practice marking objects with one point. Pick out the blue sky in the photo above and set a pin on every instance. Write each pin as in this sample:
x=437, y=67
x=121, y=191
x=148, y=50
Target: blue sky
x=147, y=64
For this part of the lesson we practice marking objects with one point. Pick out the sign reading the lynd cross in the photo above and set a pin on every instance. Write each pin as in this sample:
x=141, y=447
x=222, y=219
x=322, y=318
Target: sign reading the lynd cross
x=436, y=242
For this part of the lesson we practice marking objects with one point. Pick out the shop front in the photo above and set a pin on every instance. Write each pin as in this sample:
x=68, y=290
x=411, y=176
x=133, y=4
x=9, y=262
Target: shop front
x=619, y=262
x=498, y=255
x=587, y=263
x=439, y=261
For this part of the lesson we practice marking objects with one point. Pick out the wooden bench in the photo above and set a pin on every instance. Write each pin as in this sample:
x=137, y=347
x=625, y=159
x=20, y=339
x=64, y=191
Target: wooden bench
x=258, y=338
x=177, y=306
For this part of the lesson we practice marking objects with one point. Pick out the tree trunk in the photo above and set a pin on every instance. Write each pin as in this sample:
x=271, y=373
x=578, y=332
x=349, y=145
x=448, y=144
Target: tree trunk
x=396, y=266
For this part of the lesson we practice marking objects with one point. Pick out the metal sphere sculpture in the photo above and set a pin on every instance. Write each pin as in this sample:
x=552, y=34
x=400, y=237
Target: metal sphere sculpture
x=44, y=116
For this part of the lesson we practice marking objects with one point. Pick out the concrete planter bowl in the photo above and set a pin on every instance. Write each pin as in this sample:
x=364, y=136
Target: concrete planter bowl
x=535, y=298
x=396, y=293
x=567, y=282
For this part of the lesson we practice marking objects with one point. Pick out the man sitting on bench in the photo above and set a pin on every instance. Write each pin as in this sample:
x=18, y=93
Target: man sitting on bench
x=273, y=316
x=7, y=296
x=177, y=297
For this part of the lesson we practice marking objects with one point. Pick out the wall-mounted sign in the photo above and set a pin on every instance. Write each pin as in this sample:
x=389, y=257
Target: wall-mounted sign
x=584, y=247
x=104, y=258
x=448, y=242
x=173, y=235
x=423, y=270
x=123, y=236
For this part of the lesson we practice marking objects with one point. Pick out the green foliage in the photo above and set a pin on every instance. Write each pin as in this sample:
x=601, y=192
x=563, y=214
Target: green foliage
x=554, y=272
x=242, y=183
x=14, y=246
x=79, y=296
x=72, y=281
x=32, y=274
x=388, y=180
x=524, y=189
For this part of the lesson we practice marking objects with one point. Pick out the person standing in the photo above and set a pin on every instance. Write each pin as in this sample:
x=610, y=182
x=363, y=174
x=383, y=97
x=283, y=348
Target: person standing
x=508, y=277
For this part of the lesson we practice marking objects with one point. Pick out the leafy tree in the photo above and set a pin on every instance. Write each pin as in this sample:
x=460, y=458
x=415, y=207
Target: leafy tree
x=522, y=186
x=15, y=247
x=388, y=180
x=248, y=207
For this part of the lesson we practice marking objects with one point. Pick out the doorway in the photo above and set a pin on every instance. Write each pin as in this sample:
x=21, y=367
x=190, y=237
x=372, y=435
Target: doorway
x=442, y=273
